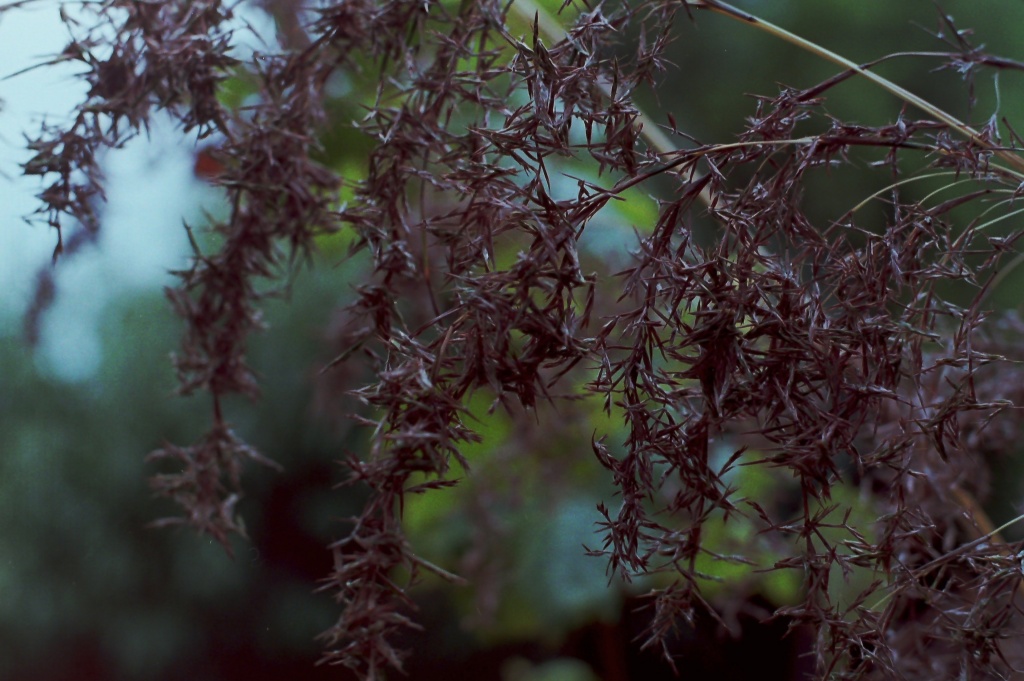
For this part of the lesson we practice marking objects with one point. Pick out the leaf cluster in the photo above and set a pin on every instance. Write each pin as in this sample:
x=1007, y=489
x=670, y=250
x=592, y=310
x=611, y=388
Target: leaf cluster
x=835, y=351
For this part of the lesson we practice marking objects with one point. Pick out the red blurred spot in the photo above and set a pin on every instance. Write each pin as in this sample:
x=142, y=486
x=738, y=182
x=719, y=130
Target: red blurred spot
x=206, y=166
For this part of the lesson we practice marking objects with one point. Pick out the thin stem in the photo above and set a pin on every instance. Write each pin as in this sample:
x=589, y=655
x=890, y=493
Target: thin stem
x=894, y=185
x=886, y=84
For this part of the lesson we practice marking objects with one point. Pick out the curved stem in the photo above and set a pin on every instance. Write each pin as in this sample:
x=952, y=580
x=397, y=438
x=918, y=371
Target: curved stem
x=886, y=84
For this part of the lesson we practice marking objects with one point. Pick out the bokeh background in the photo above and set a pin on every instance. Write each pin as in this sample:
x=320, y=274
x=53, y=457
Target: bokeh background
x=88, y=591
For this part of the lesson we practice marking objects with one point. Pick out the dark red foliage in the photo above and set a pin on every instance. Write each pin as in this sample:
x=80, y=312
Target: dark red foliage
x=832, y=350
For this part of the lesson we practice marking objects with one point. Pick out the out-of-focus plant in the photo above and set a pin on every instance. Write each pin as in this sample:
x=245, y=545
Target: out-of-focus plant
x=734, y=333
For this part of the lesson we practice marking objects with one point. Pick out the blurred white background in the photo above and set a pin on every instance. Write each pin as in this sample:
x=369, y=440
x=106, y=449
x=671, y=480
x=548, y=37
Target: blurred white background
x=150, y=191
